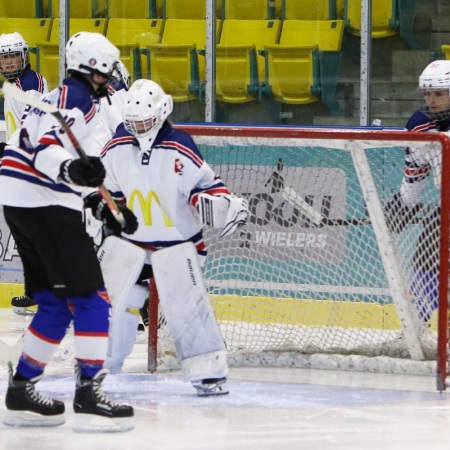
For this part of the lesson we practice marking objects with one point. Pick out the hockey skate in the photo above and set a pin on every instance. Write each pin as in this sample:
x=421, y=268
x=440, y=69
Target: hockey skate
x=28, y=408
x=21, y=305
x=211, y=386
x=94, y=411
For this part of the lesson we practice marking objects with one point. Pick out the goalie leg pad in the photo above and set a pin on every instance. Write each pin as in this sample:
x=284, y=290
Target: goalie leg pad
x=209, y=365
x=121, y=263
x=188, y=310
x=122, y=331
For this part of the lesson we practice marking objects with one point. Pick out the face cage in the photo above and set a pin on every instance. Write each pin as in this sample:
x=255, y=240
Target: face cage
x=433, y=115
x=16, y=69
x=140, y=127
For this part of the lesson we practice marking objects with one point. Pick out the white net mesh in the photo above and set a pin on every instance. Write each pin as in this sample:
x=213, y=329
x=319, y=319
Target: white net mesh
x=285, y=289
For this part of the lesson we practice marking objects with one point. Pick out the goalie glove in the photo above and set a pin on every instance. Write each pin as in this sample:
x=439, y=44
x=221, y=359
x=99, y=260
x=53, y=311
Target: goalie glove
x=225, y=211
x=397, y=215
x=101, y=211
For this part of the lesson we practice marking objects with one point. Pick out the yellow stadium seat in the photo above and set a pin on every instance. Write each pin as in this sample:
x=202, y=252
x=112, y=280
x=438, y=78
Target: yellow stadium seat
x=23, y=9
x=188, y=9
x=240, y=69
x=304, y=67
x=446, y=50
x=384, y=20
x=389, y=17
x=339, y=9
x=248, y=9
x=175, y=63
x=33, y=31
x=130, y=35
x=79, y=8
x=131, y=9
x=48, y=52
x=309, y=9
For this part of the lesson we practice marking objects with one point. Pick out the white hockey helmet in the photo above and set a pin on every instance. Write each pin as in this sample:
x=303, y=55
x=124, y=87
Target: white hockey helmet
x=121, y=77
x=146, y=108
x=436, y=76
x=90, y=53
x=13, y=44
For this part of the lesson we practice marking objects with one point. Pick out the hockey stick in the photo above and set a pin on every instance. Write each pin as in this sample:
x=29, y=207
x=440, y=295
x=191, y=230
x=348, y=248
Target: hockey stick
x=14, y=92
x=297, y=201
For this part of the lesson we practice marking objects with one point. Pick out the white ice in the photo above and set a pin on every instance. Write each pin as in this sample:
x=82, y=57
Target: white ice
x=267, y=409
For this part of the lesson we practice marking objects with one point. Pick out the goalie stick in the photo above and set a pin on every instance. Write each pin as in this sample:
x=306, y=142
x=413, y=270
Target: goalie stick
x=319, y=219
x=11, y=90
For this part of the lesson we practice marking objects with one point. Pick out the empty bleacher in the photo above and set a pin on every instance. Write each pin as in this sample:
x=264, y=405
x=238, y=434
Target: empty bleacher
x=79, y=9
x=48, y=49
x=248, y=9
x=309, y=9
x=33, y=31
x=240, y=68
x=132, y=35
x=30, y=9
x=304, y=67
x=178, y=62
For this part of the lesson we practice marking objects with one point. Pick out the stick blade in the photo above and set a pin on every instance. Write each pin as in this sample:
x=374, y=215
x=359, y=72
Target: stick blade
x=9, y=89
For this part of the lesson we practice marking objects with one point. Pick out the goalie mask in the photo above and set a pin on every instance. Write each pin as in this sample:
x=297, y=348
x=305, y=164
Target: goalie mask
x=92, y=53
x=434, y=85
x=145, y=110
x=13, y=55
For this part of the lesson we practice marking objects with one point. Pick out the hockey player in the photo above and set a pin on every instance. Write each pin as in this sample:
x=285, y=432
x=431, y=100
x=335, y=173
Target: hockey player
x=43, y=187
x=109, y=109
x=15, y=68
x=160, y=172
x=434, y=116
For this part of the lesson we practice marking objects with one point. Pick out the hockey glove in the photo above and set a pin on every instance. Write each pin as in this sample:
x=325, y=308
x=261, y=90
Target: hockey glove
x=397, y=215
x=101, y=211
x=84, y=173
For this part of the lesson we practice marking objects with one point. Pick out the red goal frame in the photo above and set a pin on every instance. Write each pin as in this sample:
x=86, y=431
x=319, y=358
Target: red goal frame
x=443, y=346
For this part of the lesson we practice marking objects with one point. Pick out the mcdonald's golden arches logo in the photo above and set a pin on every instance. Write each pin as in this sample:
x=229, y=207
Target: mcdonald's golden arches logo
x=146, y=206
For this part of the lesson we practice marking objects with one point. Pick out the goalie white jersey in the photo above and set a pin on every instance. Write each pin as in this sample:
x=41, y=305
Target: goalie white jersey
x=161, y=186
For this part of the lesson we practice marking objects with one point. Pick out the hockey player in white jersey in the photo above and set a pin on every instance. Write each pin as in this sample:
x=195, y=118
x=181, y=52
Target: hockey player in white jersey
x=161, y=174
x=14, y=66
x=420, y=163
x=44, y=187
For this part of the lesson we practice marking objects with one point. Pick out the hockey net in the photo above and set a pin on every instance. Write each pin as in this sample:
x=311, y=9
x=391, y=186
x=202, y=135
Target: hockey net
x=315, y=279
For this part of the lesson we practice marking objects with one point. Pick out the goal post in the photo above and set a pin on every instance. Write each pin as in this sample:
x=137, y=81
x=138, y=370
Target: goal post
x=316, y=277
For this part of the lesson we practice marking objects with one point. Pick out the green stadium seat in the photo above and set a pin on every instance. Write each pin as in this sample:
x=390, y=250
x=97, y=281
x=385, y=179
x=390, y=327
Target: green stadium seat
x=175, y=63
x=248, y=9
x=130, y=35
x=304, y=67
x=309, y=9
x=240, y=69
x=48, y=52
x=79, y=8
x=188, y=9
x=30, y=9
x=33, y=31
